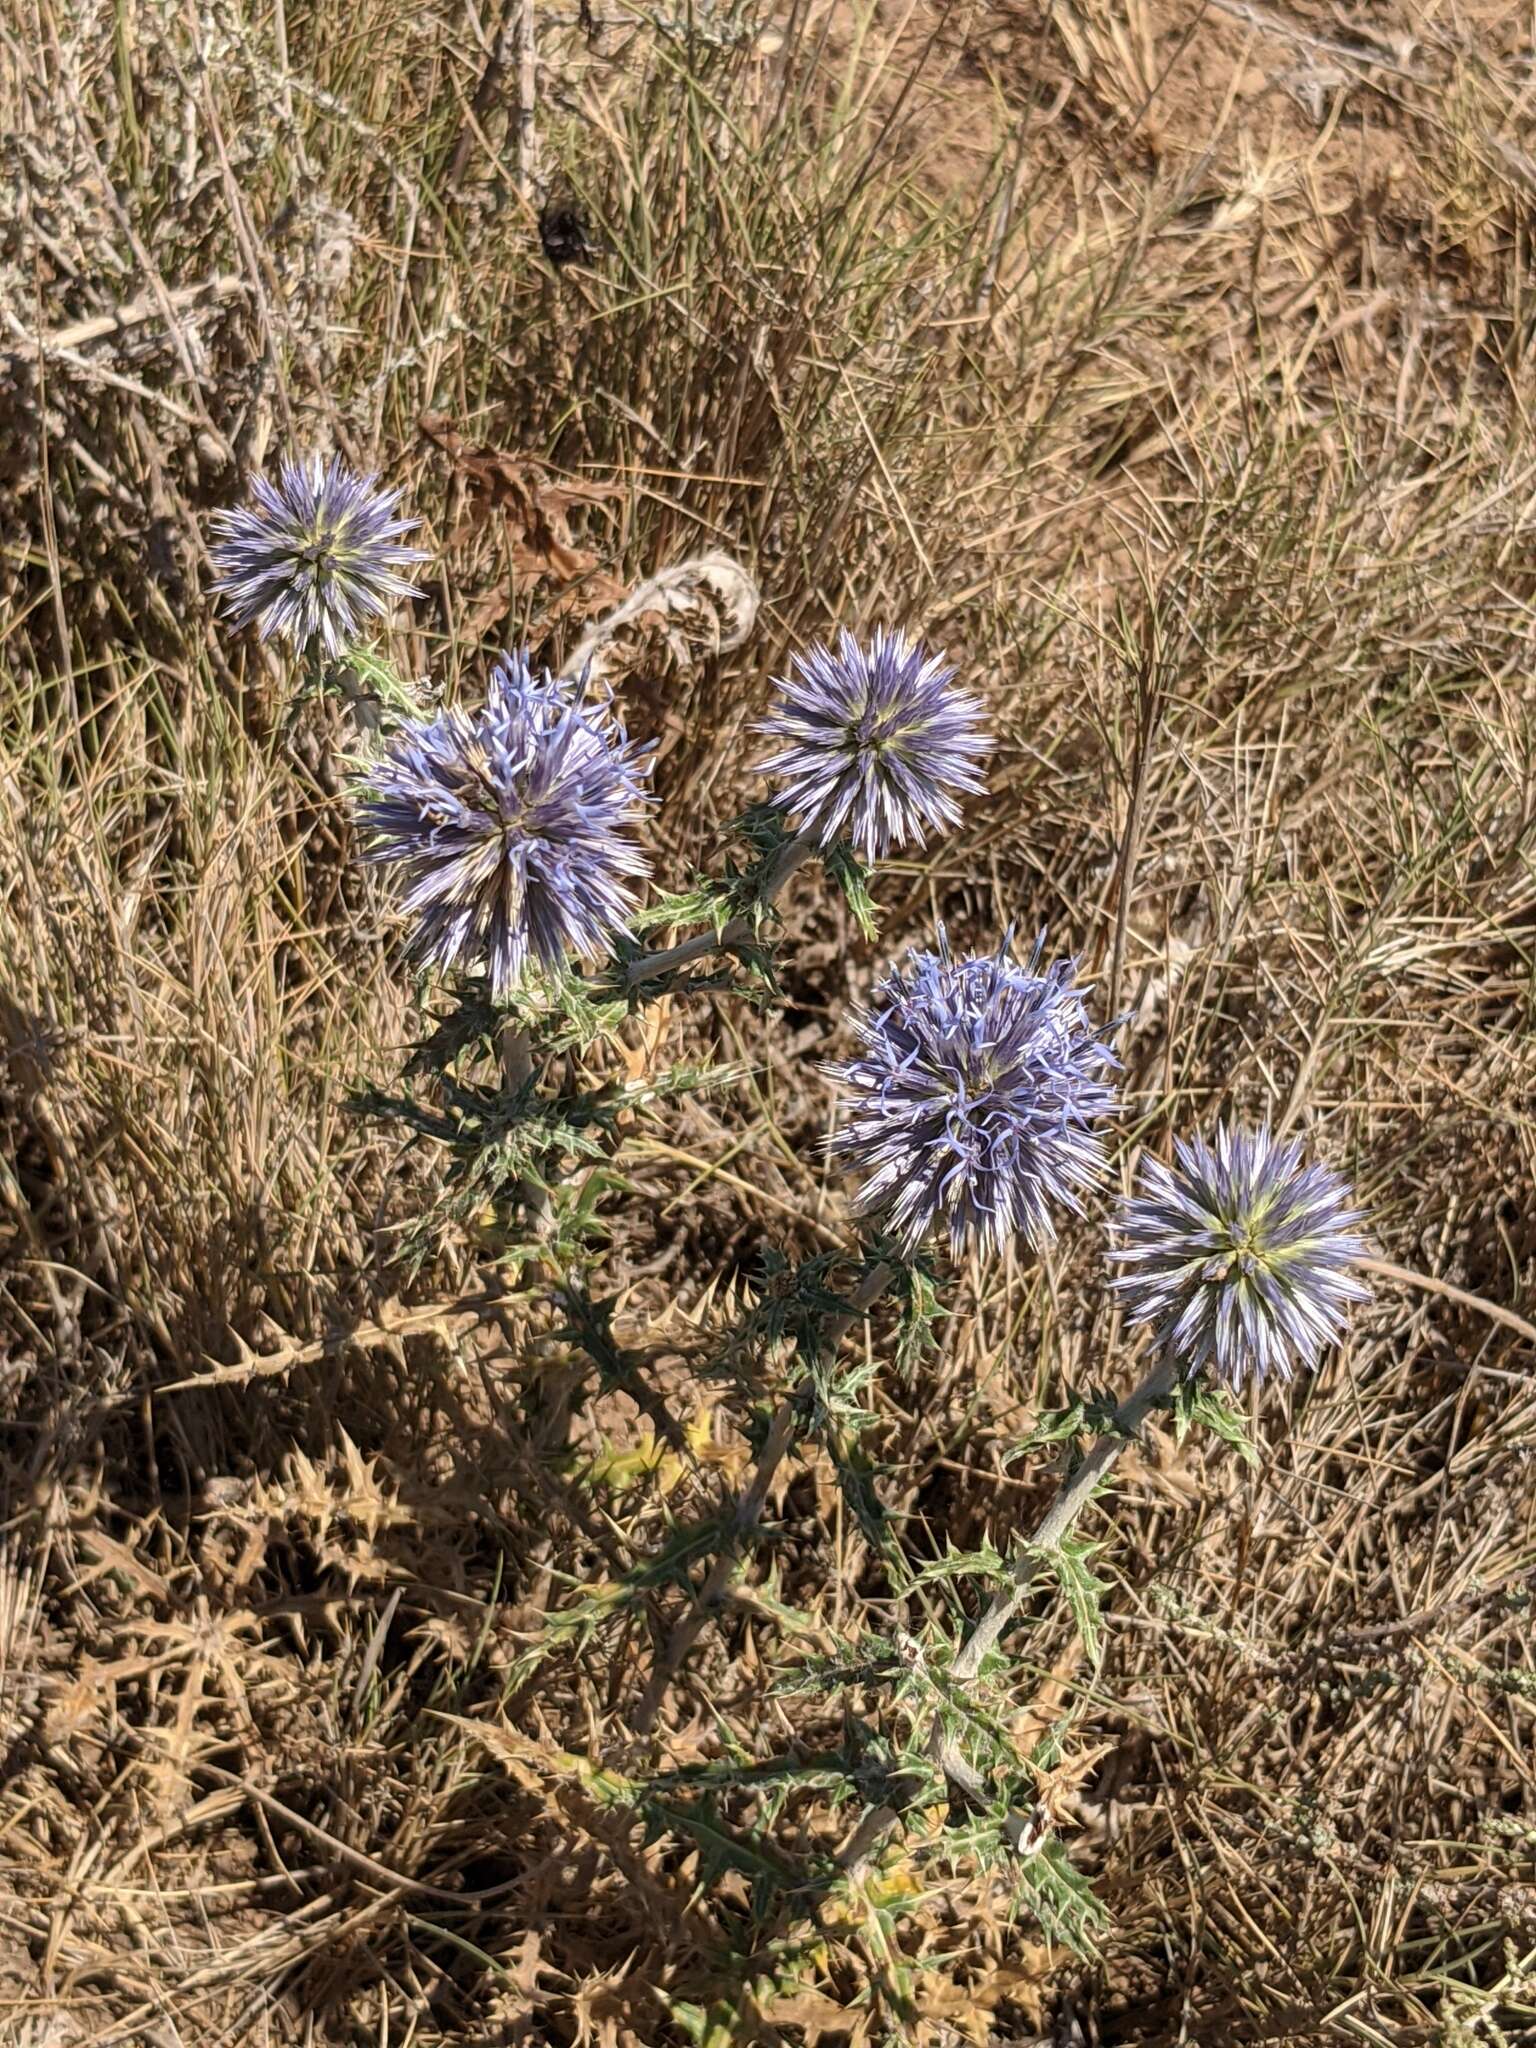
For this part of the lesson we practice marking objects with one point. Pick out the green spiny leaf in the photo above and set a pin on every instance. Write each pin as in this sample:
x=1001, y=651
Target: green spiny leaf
x=1196, y=1404
x=851, y=877
x=986, y=1563
x=1084, y=1415
x=1068, y=1560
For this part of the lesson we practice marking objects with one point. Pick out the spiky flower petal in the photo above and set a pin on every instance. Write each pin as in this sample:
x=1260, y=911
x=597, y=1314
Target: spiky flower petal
x=1239, y=1255
x=510, y=826
x=876, y=744
x=974, y=1098
x=314, y=555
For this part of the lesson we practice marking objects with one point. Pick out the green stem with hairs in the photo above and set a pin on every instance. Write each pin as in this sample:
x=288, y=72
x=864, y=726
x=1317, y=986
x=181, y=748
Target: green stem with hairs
x=791, y=857
x=1028, y=1563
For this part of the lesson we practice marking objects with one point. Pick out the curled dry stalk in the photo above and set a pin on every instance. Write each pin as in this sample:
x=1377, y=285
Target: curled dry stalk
x=701, y=607
x=747, y=1514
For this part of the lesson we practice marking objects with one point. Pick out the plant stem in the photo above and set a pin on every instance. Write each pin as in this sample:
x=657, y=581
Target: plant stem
x=1150, y=697
x=1063, y=1513
x=864, y=1844
x=748, y=1513
x=530, y=182
x=516, y=1071
x=791, y=856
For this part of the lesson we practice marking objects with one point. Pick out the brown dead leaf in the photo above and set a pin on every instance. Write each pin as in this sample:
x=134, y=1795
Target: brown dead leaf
x=971, y=2006
x=818, y=2015
x=109, y=1557
x=1057, y=1788
x=533, y=508
x=76, y=1704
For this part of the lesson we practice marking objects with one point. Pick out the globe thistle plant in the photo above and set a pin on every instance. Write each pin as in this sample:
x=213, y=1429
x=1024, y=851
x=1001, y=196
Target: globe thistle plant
x=1238, y=1256
x=314, y=555
x=510, y=826
x=974, y=1099
x=875, y=744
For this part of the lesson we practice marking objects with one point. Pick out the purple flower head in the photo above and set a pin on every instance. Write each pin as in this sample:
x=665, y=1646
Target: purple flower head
x=313, y=555
x=973, y=1099
x=1238, y=1255
x=875, y=743
x=510, y=825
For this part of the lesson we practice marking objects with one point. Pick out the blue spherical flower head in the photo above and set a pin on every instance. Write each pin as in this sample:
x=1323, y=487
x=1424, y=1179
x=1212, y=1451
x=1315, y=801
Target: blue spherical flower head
x=875, y=744
x=1238, y=1256
x=314, y=555
x=510, y=826
x=974, y=1099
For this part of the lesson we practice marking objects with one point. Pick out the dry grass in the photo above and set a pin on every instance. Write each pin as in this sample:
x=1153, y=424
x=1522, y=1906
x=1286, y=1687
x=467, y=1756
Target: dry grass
x=1171, y=365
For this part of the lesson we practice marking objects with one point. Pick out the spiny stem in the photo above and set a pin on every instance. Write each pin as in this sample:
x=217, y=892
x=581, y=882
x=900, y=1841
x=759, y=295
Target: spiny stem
x=1064, y=1511
x=791, y=856
x=864, y=1844
x=516, y=1070
x=748, y=1512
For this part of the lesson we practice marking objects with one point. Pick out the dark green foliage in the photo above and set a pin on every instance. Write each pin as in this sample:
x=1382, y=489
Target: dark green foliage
x=531, y=1151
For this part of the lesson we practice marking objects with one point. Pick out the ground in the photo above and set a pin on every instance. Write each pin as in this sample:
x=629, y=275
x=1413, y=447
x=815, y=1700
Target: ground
x=1168, y=365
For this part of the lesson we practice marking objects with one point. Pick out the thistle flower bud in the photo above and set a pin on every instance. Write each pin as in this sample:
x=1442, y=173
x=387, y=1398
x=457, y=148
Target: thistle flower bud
x=510, y=826
x=973, y=1099
x=1238, y=1255
x=313, y=555
x=875, y=744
